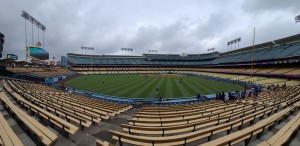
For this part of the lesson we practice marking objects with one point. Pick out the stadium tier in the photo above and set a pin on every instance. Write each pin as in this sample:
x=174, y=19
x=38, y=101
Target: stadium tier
x=287, y=49
x=41, y=72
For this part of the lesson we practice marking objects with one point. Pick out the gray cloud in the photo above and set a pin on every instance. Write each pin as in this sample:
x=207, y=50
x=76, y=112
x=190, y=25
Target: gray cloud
x=171, y=26
x=259, y=6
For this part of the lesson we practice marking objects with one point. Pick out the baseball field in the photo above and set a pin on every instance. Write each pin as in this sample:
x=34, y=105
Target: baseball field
x=146, y=85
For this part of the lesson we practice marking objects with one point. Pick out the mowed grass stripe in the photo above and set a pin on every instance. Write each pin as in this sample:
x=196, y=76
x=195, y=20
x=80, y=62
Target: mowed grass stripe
x=151, y=93
x=198, y=84
x=117, y=81
x=96, y=83
x=170, y=92
x=193, y=90
x=138, y=89
x=128, y=90
x=176, y=90
x=124, y=87
x=201, y=85
x=188, y=88
x=123, y=84
x=221, y=86
x=182, y=90
x=162, y=88
x=144, y=91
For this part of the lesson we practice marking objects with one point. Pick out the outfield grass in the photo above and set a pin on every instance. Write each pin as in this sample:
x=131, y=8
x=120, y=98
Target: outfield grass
x=140, y=86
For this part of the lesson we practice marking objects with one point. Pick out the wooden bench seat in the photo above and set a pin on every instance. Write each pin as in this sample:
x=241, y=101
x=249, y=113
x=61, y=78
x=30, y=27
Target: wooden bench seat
x=105, y=116
x=182, y=139
x=66, y=109
x=102, y=114
x=44, y=135
x=218, y=111
x=285, y=133
x=185, y=111
x=178, y=107
x=187, y=127
x=7, y=135
x=88, y=102
x=58, y=110
x=78, y=102
x=75, y=118
x=249, y=132
x=108, y=107
x=178, y=110
x=68, y=127
x=180, y=121
x=103, y=143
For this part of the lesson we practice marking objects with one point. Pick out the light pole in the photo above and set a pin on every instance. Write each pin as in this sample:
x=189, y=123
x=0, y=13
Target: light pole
x=89, y=48
x=235, y=41
x=36, y=23
x=297, y=19
x=152, y=51
x=127, y=51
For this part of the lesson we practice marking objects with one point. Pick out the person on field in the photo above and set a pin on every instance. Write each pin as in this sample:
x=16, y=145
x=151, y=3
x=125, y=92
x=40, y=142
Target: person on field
x=156, y=92
x=217, y=96
x=226, y=98
x=223, y=96
x=160, y=99
x=198, y=95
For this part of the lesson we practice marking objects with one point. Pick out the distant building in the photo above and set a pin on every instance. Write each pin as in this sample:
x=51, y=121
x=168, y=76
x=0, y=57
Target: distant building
x=63, y=61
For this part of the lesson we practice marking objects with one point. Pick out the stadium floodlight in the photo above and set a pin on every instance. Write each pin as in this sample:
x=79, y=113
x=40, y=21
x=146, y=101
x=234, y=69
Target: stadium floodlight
x=152, y=51
x=89, y=48
x=297, y=19
x=38, y=24
x=235, y=41
x=1, y=42
x=210, y=49
x=33, y=20
x=127, y=50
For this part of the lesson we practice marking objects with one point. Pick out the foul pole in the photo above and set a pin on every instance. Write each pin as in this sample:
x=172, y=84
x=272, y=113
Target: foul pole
x=252, y=64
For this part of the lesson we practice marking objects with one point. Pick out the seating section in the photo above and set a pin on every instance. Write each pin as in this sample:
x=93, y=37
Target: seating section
x=7, y=136
x=283, y=136
x=191, y=123
x=53, y=119
x=262, y=53
x=261, y=80
x=41, y=133
x=41, y=72
x=64, y=112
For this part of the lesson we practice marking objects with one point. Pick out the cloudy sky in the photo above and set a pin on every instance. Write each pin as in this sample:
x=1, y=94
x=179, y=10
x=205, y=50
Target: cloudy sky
x=169, y=26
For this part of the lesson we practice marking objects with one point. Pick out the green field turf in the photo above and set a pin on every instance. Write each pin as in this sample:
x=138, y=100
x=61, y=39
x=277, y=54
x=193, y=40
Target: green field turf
x=142, y=86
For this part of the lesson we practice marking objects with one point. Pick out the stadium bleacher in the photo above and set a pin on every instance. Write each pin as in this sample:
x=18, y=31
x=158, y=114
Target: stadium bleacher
x=41, y=72
x=58, y=108
x=264, y=113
